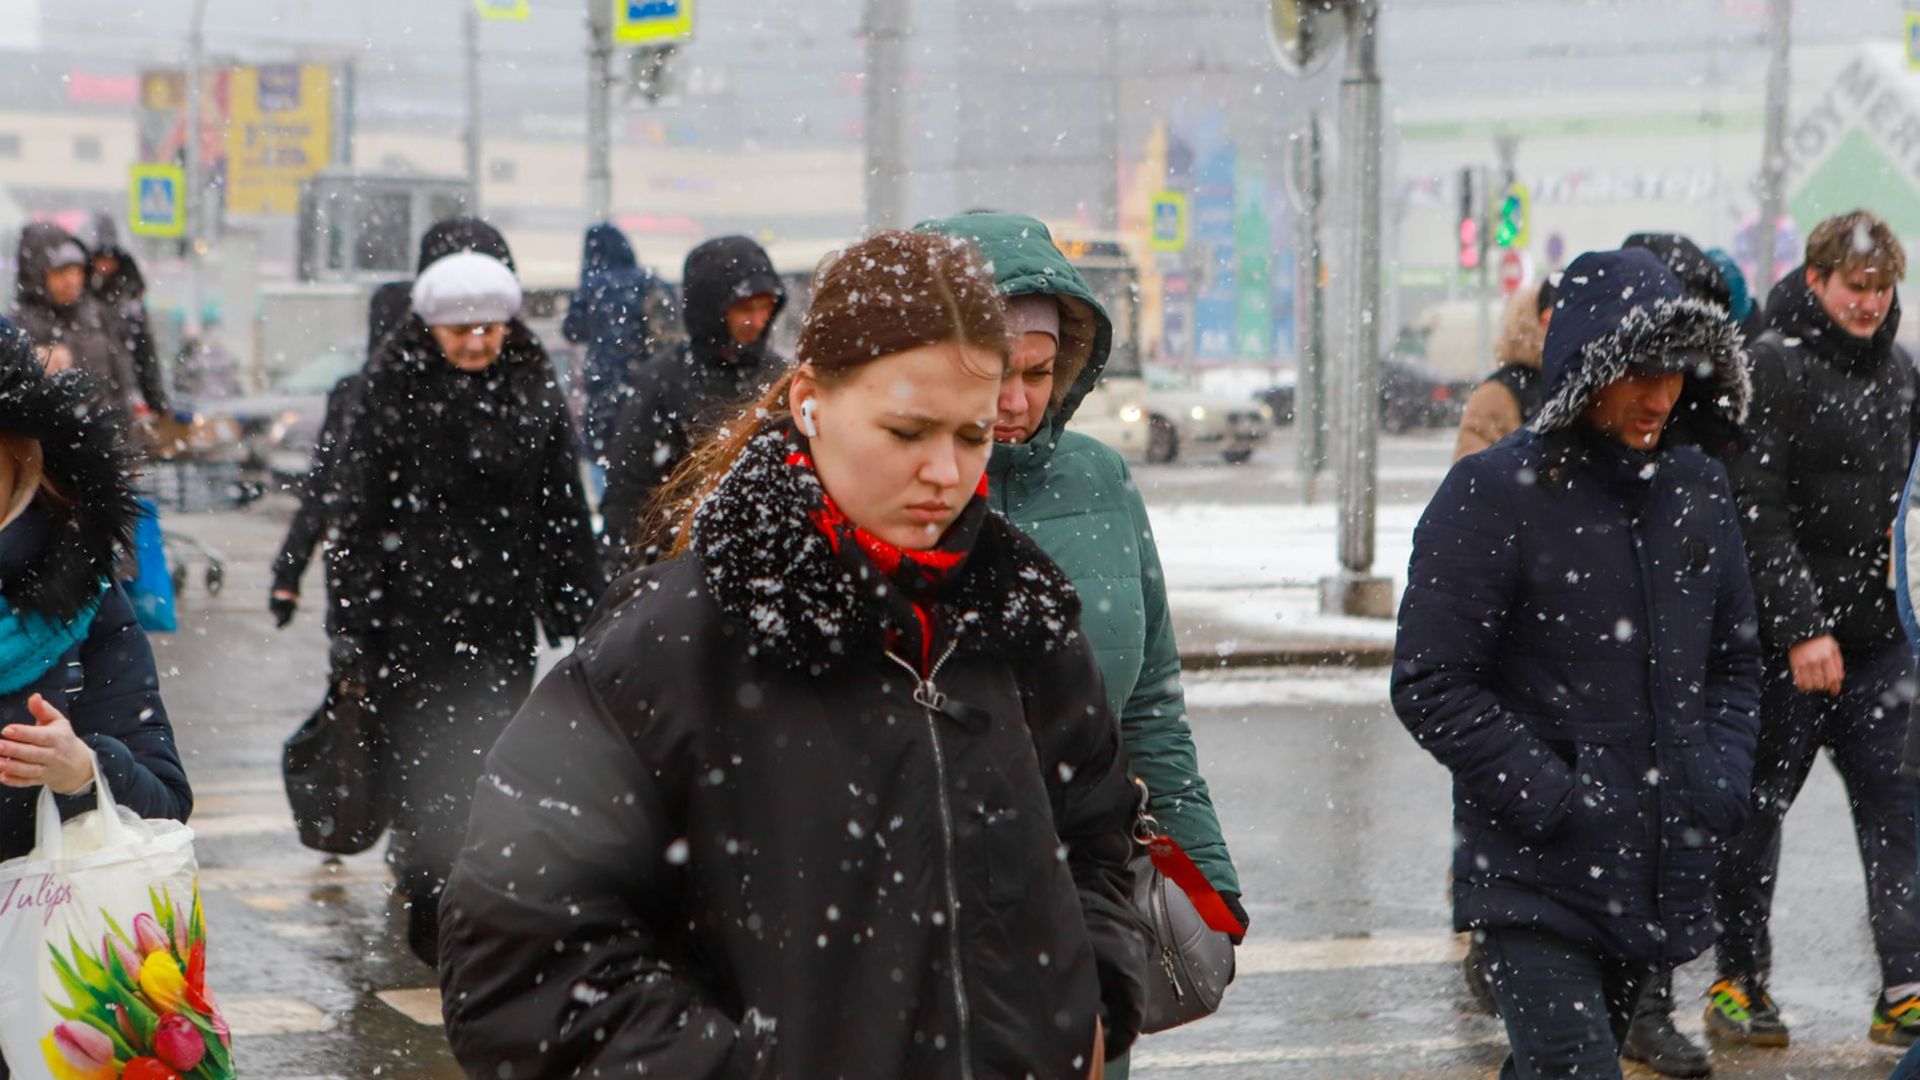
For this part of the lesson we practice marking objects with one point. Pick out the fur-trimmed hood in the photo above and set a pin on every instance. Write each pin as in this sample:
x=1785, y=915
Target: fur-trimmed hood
x=772, y=571
x=87, y=459
x=1618, y=310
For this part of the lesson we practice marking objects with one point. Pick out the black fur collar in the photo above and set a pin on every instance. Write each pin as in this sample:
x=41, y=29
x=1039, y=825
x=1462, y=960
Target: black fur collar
x=86, y=455
x=770, y=569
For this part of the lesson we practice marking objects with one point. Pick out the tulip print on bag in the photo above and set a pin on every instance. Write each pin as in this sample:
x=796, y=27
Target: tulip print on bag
x=103, y=919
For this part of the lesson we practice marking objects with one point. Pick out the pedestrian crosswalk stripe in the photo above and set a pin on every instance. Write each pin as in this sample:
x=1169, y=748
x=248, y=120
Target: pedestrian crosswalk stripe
x=248, y=1017
x=422, y=1005
x=215, y=825
x=1259, y=957
x=303, y=872
x=251, y=786
x=1145, y=1057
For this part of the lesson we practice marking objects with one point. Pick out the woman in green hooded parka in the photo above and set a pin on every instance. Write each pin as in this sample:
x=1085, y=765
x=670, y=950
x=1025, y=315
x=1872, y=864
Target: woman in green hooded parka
x=1074, y=496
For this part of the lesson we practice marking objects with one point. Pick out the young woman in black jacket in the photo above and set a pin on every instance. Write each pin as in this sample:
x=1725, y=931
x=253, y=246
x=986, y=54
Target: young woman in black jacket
x=79, y=697
x=834, y=791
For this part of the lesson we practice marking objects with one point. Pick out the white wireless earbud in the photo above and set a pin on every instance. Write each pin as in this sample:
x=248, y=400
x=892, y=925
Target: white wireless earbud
x=808, y=426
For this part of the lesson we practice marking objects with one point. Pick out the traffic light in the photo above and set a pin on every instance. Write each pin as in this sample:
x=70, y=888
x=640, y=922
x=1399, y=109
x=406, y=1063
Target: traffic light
x=1511, y=222
x=1469, y=223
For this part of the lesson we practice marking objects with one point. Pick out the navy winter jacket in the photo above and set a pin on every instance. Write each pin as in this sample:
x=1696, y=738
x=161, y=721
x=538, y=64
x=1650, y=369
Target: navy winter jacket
x=611, y=315
x=1578, y=643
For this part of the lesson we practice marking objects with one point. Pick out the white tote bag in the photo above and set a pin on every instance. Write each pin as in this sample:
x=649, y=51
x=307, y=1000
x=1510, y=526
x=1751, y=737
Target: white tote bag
x=104, y=952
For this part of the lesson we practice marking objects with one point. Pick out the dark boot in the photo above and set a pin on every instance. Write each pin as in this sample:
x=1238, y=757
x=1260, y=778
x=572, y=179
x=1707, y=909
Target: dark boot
x=1652, y=1039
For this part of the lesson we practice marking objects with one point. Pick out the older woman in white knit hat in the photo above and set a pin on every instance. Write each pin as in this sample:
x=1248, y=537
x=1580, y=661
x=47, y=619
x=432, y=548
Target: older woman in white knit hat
x=461, y=533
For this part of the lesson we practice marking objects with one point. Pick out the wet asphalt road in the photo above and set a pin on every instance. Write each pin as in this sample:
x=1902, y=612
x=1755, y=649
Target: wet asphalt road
x=1338, y=824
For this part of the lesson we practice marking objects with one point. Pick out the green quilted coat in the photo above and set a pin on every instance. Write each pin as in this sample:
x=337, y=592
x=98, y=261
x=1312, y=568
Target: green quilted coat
x=1074, y=496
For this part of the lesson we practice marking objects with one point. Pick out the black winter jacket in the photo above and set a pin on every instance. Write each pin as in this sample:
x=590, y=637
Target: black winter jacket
x=1577, y=646
x=458, y=505
x=704, y=382
x=1831, y=435
x=53, y=558
x=728, y=837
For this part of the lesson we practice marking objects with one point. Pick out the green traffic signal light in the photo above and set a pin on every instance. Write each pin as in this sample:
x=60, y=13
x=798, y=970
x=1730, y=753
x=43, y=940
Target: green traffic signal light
x=1510, y=223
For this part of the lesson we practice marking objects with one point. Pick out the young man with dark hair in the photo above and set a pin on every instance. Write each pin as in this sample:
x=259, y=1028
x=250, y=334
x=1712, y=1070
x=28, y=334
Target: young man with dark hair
x=1577, y=645
x=1829, y=440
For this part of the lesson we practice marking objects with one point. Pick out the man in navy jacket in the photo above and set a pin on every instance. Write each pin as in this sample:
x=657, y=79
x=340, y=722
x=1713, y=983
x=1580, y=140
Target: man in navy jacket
x=1578, y=645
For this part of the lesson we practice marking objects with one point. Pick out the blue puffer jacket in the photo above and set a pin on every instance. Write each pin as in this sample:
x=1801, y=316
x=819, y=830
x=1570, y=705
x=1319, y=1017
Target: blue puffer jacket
x=612, y=315
x=1578, y=642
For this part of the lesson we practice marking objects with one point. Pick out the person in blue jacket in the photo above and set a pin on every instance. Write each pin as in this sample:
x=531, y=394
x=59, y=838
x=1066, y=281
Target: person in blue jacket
x=79, y=696
x=618, y=313
x=1578, y=646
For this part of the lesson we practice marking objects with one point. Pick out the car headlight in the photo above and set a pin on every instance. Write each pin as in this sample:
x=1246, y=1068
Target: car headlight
x=1198, y=412
x=1132, y=414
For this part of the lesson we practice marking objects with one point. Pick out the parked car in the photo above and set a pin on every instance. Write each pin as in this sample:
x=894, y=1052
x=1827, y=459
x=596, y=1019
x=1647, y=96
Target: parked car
x=278, y=428
x=1180, y=416
x=1412, y=396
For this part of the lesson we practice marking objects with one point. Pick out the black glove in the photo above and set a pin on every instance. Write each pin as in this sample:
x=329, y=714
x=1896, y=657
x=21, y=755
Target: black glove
x=351, y=657
x=282, y=607
x=1232, y=901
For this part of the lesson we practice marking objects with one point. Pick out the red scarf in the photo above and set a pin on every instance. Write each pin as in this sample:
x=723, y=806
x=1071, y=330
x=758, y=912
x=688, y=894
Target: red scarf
x=919, y=576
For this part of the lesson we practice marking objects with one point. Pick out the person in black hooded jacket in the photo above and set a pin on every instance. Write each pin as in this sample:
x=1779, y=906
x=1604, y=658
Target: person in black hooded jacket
x=730, y=296
x=835, y=790
x=386, y=311
x=1834, y=424
x=76, y=673
x=115, y=278
x=460, y=532
x=1577, y=645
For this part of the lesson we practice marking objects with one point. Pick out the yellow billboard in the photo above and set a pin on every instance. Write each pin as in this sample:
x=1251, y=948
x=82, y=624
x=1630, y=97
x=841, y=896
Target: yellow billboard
x=279, y=132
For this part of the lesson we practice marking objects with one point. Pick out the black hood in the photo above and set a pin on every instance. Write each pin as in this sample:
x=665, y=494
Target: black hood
x=1796, y=313
x=718, y=274
x=1699, y=275
x=125, y=283
x=463, y=234
x=387, y=311
x=40, y=242
x=89, y=464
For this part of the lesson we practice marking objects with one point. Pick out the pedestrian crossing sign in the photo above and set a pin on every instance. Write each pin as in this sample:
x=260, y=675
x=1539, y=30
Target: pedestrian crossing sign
x=1169, y=224
x=651, y=22
x=156, y=200
x=510, y=10
x=1913, y=40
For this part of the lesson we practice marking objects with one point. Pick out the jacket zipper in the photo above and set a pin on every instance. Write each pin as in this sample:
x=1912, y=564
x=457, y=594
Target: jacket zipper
x=928, y=696
x=1645, y=563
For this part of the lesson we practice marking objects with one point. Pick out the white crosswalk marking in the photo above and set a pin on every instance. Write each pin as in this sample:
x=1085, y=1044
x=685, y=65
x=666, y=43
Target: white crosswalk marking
x=422, y=1005
x=1147, y=1058
x=252, y=1017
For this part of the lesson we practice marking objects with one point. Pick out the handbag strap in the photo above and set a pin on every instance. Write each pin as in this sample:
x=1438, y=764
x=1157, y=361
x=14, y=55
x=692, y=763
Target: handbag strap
x=1173, y=863
x=48, y=843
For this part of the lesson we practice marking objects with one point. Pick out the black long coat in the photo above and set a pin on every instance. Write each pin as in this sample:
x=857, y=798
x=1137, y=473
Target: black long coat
x=462, y=531
x=725, y=839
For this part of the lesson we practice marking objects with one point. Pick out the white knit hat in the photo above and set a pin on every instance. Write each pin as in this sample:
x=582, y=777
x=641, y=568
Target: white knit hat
x=466, y=287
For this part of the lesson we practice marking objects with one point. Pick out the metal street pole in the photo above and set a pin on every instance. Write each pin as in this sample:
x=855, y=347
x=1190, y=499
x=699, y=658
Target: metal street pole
x=190, y=163
x=1108, y=208
x=473, y=100
x=1773, y=159
x=1355, y=591
x=1310, y=382
x=599, y=120
x=886, y=113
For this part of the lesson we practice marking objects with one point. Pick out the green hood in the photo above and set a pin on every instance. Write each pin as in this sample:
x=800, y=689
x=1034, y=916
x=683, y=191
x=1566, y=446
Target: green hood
x=1026, y=263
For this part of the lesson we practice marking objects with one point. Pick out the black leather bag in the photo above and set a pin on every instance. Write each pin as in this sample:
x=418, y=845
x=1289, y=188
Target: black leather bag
x=335, y=780
x=1189, y=964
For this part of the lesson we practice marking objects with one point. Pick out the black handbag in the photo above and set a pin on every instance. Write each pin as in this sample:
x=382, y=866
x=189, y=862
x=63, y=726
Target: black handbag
x=1190, y=964
x=333, y=770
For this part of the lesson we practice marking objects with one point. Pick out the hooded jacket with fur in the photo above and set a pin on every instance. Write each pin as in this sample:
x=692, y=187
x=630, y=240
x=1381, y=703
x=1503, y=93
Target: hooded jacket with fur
x=1578, y=644
x=55, y=560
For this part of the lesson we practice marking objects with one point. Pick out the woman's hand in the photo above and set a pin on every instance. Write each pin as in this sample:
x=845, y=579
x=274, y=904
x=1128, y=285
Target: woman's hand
x=1099, y=1069
x=48, y=752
